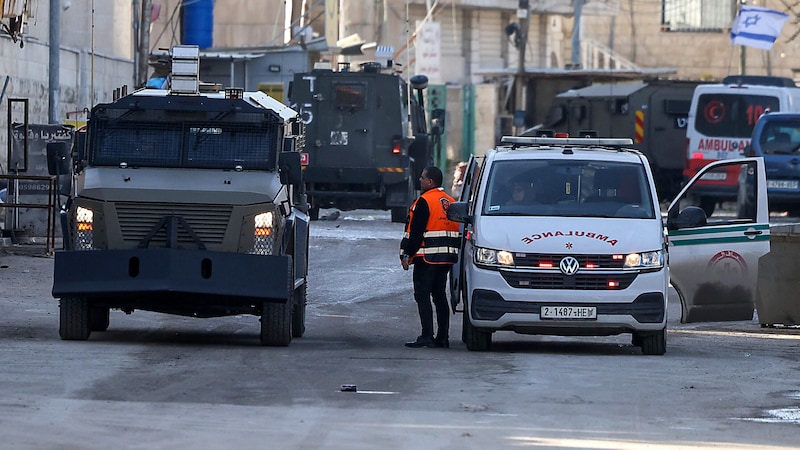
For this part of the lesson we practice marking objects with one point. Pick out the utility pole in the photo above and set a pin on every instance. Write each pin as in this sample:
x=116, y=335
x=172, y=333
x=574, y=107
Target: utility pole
x=54, y=85
x=144, y=43
x=523, y=14
x=576, y=33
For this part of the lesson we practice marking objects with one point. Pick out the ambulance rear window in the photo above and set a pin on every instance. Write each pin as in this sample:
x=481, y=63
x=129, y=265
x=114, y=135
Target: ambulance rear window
x=731, y=115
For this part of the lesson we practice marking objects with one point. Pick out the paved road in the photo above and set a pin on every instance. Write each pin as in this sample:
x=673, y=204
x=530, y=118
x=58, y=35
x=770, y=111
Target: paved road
x=157, y=381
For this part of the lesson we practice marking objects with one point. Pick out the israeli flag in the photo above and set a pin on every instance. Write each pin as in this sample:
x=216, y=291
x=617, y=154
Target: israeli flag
x=757, y=27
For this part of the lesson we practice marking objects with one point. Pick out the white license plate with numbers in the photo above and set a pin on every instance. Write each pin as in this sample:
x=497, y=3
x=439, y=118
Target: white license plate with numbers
x=782, y=184
x=568, y=312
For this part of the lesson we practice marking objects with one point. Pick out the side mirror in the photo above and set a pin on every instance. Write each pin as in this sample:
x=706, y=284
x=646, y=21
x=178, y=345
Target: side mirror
x=459, y=212
x=289, y=168
x=58, y=159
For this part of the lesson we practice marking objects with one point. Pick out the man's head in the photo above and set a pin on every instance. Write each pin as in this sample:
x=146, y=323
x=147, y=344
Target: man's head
x=431, y=178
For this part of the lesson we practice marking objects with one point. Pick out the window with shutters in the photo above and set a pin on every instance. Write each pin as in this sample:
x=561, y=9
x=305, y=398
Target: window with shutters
x=697, y=15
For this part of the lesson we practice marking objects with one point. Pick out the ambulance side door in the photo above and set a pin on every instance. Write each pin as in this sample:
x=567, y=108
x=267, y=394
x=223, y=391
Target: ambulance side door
x=471, y=181
x=713, y=260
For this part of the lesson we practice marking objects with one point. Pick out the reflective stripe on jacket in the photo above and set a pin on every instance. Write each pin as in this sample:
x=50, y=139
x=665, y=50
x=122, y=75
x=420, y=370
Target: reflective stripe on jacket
x=441, y=239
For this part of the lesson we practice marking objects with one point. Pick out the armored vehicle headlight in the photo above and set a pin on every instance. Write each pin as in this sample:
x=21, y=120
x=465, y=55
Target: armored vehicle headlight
x=264, y=224
x=264, y=234
x=84, y=228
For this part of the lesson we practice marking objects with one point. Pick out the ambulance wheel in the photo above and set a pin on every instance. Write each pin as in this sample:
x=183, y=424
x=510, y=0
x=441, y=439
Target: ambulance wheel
x=276, y=323
x=476, y=339
x=74, y=319
x=654, y=343
x=98, y=318
x=299, y=311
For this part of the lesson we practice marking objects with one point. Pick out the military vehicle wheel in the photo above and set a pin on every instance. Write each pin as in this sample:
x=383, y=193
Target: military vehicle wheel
x=476, y=339
x=299, y=311
x=654, y=343
x=276, y=323
x=74, y=319
x=98, y=318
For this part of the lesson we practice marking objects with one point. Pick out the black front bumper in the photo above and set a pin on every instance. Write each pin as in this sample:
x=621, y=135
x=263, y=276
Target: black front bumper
x=162, y=274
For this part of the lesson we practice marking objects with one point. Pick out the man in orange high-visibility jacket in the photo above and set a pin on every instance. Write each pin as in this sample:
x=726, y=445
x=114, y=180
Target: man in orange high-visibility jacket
x=430, y=243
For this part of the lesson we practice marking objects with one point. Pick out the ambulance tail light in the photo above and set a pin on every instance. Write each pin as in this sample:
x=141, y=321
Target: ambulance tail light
x=697, y=155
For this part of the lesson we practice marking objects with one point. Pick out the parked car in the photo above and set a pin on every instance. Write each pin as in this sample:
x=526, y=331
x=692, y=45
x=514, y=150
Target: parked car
x=776, y=138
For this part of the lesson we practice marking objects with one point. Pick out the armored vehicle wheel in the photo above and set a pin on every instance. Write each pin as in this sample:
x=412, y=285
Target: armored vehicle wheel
x=98, y=318
x=74, y=319
x=477, y=340
x=299, y=311
x=313, y=212
x=654, y=343
x=276, y=323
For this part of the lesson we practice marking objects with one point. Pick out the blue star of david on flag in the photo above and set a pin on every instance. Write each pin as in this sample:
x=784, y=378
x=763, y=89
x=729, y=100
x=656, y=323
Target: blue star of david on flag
x=757, y=27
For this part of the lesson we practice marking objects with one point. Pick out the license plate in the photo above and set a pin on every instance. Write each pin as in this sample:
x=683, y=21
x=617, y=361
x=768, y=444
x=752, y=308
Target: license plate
x=782, y=184
x=568, y=312
x=714, y=176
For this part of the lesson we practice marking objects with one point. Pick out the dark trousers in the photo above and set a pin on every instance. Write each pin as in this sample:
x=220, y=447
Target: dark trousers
x=430, y=280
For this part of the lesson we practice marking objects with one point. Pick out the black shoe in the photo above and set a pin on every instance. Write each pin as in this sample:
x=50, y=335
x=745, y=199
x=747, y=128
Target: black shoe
x=421, y=342
x=441, y=343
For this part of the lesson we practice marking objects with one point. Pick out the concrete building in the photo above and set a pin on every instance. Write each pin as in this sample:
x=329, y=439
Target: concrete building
x=469, y=49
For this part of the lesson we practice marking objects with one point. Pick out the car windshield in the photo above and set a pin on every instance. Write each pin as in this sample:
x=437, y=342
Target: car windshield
x=574, y=188
x=780, y=136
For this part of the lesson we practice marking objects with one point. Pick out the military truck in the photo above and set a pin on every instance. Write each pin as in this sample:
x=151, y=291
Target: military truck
x=186, y=201
x=653, y=113
x=367, y=139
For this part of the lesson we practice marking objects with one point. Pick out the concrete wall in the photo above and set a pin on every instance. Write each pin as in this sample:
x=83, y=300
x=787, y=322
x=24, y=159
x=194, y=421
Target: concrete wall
x=95, y=58
x=637, y=35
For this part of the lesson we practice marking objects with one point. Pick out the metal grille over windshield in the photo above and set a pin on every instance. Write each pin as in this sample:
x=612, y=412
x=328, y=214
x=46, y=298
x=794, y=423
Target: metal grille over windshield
x=192, y=144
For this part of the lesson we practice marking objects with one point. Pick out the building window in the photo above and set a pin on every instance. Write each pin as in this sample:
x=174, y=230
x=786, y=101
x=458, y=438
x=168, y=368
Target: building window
x=697, y=15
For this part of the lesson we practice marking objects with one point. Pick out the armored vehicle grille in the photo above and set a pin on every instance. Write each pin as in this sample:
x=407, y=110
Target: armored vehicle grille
x=208, y=222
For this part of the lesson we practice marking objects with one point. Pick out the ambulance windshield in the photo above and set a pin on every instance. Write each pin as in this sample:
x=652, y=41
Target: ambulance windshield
x=577, y=188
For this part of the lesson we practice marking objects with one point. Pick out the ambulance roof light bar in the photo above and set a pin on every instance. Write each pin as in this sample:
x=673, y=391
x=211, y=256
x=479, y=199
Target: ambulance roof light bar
x=600, y=142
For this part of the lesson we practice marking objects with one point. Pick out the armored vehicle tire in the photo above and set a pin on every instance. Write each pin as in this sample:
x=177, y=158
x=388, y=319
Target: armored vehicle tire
x=299, y=311
x=74, y=319
x=276, y=323
x=98, y=318
x=476, y=339
x=654, y=343
x=313, y=212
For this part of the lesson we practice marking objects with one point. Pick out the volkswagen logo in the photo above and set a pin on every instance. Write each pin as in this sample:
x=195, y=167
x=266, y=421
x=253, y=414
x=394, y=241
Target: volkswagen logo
x=569, y=265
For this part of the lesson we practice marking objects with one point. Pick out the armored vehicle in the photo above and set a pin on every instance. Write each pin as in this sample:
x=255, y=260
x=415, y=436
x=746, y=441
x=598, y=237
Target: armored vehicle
x=188, y=203
x=653, y=113
x=367, y=139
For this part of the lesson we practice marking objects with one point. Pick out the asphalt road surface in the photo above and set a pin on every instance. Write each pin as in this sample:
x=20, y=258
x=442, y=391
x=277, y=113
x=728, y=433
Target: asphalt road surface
x=159, y=381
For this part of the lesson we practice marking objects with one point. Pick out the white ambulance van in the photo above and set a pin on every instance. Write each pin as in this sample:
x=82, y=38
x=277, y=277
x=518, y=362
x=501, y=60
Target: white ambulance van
x=564, y=236
x=720, y=122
